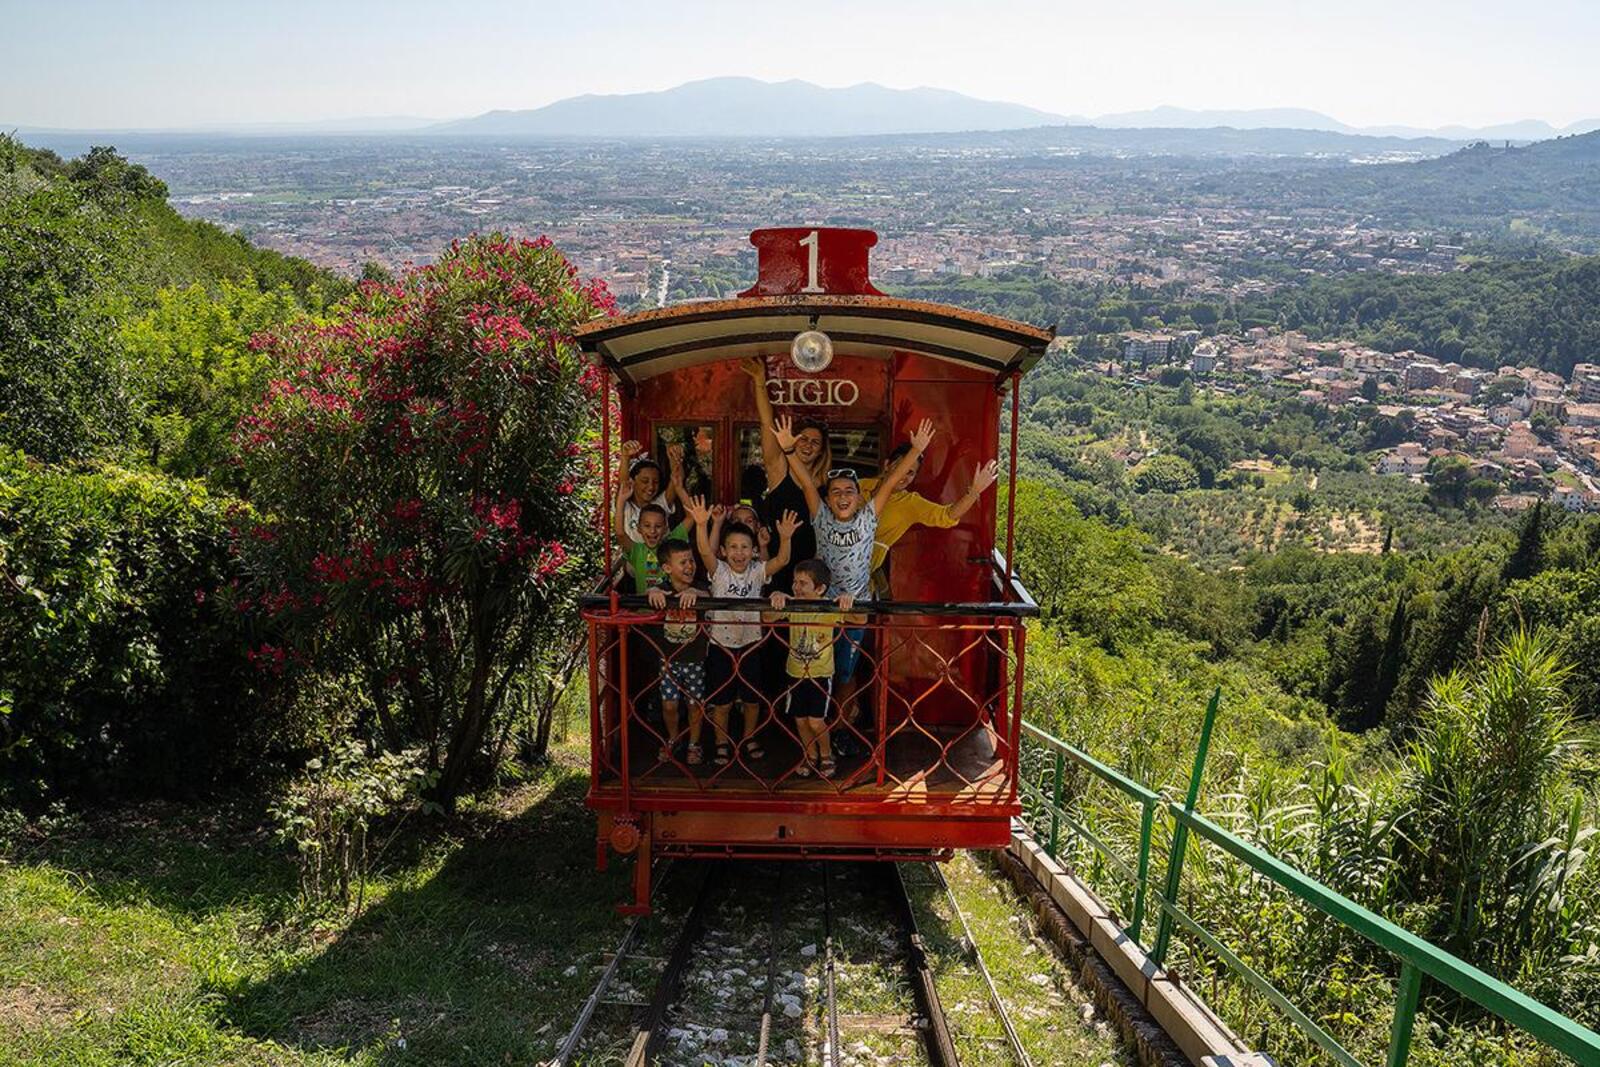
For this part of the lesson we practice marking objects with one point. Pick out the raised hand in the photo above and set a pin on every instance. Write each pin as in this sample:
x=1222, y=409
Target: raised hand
x=631, y=449
x=696, y=507
x=987, y=475
x=756, y=367
x=763, y=537
x=779, y=599
x=787, y=524
x=922, y=435
x=718, y=512
x=783, y=430
x=675, y=456
x=657, y=598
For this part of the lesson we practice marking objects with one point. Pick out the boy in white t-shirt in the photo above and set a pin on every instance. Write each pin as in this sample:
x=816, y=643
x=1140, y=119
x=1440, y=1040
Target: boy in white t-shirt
x=733, y=667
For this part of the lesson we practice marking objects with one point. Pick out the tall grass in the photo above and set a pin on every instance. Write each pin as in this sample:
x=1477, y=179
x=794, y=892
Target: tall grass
x=1477, y=834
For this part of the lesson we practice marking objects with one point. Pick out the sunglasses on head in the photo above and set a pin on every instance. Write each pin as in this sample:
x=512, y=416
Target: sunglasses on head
x=842, y=472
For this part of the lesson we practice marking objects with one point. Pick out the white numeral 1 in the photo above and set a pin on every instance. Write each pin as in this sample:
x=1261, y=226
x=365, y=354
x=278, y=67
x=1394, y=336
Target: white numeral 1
x=809, y=242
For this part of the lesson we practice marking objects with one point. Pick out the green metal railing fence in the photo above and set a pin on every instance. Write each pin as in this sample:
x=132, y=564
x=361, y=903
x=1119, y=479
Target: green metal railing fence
x=1418, y=958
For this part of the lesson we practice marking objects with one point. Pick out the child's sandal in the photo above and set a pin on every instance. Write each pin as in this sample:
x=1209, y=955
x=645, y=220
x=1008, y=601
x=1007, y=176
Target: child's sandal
x=724, y=753
x=804, y=770
x=695, y=754
x=754, y=750
x=827, y=767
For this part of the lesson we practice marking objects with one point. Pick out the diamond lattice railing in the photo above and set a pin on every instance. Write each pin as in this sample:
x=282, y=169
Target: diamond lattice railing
x=927, y=712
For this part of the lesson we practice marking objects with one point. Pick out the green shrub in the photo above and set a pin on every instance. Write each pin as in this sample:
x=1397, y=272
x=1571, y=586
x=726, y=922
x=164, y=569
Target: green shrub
x=121, y=672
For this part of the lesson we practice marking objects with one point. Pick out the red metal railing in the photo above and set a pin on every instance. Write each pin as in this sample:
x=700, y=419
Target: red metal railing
x=931, y=720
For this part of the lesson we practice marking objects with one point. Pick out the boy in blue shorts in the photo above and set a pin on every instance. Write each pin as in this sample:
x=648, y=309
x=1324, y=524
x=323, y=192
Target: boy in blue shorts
x=682, y=644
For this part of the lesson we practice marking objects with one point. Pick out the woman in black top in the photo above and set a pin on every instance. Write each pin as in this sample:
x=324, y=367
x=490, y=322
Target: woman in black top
x=782, y=494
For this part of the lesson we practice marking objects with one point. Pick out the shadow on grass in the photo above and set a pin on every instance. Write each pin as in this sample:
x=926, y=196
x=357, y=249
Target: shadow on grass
x=184, y=860
x=466, y=963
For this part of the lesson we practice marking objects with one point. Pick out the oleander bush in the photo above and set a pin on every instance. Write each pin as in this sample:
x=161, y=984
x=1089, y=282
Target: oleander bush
x=423, y=483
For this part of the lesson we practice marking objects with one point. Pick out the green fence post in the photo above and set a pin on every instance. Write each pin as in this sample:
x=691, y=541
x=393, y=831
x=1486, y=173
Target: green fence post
x=1180, y=833
x=1055, y=809
x=1405, y=1013
x=1146, y=821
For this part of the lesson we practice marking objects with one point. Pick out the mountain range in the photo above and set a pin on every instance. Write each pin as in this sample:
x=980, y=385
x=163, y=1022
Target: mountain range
x=749, y=107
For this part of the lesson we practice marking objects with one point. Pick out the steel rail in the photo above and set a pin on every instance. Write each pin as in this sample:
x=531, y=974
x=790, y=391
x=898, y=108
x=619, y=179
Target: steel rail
x=647, y=1035
x=774, y=928
x=563, y=1055
x=941, y=1047
x=970, y=944
x=830, y=1048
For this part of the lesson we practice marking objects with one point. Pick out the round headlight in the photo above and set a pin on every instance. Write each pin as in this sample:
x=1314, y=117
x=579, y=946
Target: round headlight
x=811, y=351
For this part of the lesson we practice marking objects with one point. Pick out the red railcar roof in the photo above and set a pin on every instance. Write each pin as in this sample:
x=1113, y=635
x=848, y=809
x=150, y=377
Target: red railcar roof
x=647, y=343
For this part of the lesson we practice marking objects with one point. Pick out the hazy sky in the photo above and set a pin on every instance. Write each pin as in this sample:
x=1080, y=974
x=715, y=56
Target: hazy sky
x=102, y=63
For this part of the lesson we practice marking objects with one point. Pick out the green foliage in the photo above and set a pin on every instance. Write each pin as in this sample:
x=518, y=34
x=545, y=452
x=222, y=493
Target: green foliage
x=329, y=811
x=1538, y=312
x=1496, y=833
x=122, y=674
x=63, y=392
x=1086, y=575
x=99, y=358
x=1164, y=474
x=1526, y=559
x=194, y=373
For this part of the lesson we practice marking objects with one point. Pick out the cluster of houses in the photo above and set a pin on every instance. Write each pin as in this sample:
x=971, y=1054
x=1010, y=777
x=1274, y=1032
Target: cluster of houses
x=1525, y=429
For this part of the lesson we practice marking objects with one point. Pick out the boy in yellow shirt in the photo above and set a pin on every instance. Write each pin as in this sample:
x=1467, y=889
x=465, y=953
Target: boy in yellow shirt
x=810, y=664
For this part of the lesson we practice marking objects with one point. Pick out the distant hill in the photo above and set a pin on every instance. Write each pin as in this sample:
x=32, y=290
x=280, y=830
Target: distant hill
x=1543, y=189
x=747, y=107
x=1304, y=119
x=1216, y=141
x=1182, y=118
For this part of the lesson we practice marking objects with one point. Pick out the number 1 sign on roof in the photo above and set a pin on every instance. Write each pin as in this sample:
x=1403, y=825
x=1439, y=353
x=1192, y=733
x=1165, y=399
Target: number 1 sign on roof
x=801, y=261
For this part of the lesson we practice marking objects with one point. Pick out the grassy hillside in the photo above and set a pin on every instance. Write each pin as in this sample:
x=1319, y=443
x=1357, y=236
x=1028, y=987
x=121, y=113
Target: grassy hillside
x=159, y=247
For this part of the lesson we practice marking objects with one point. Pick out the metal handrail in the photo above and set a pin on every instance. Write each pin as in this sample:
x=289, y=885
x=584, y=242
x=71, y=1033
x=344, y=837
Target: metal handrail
x=991, y=608
x=1108, y=774
x=1417, y=956
x=1148, y=800
x=1511, y=1004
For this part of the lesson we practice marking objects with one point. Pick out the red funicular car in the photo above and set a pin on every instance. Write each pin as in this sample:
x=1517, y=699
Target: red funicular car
x=934, y=763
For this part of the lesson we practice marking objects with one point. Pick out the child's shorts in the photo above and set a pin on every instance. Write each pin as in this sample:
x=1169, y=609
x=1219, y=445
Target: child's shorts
x=681, y=680
x=733, y=674
x=808, y=698
x=847, y=652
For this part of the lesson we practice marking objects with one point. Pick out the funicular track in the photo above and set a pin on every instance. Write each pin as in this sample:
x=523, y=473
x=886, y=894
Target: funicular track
x=780, y=963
